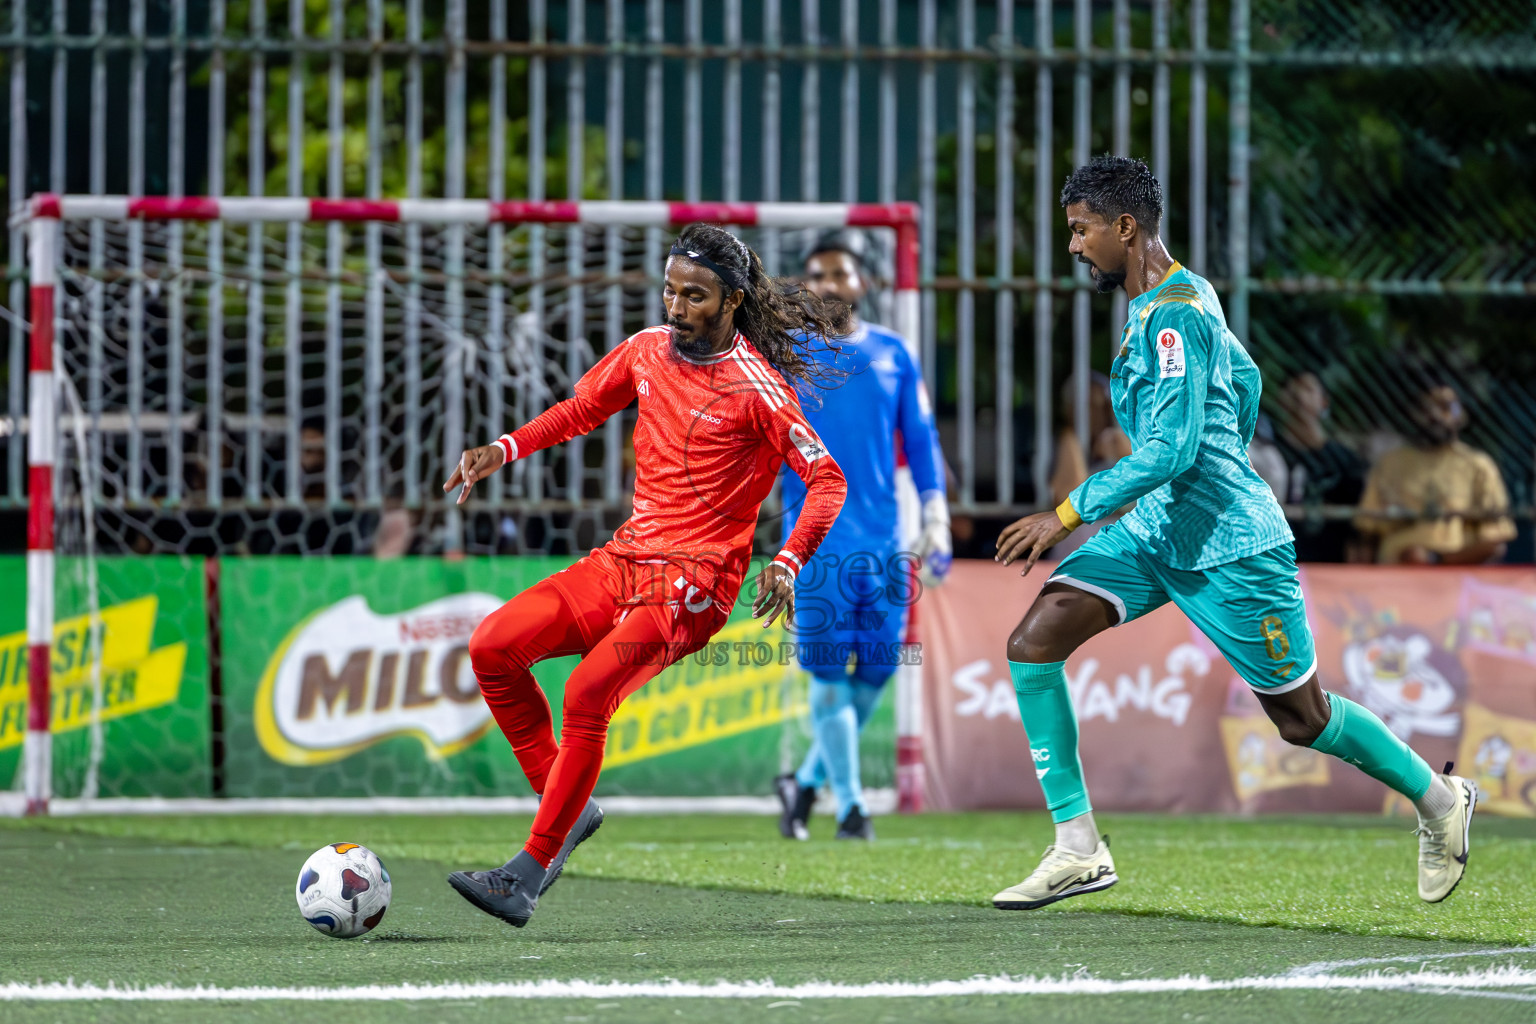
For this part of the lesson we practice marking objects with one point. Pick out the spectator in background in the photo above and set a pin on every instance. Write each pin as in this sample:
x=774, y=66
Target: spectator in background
x=1266, y=459
x=1322, y=470
x=1436, y=499
x=1107, y=445
x=397, y=532
x=312, y=458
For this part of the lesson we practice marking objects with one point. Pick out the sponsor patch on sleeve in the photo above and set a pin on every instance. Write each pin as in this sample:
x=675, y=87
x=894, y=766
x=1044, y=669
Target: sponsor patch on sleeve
x=807, y=442
x=1170, y=353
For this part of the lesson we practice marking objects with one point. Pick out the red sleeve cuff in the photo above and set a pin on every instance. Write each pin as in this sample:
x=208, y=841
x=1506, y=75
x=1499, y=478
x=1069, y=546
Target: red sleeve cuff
x=789, y=561
x=508, y=448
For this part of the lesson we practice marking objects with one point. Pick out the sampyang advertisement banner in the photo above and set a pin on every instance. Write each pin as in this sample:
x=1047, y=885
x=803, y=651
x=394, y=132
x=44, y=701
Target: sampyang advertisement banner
x=1445, y=657
x=352, y=677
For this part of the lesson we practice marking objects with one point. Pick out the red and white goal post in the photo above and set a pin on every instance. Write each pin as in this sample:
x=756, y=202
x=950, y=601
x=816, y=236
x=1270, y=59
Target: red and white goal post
x=49, y=258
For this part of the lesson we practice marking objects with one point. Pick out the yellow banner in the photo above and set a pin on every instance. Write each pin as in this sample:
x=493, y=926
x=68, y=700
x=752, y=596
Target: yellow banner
x=738, y=683
x=133, y=678
x=1498, y=752
x=1261, y=761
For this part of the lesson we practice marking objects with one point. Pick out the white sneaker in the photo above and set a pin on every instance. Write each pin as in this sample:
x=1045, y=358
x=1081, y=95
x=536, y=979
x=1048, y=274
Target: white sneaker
x=1061, y=873
x=1443, y=843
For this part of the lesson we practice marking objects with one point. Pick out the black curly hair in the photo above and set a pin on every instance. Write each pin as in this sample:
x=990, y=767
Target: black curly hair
x=844, y=240
x=778, y=316
x=1113, y=185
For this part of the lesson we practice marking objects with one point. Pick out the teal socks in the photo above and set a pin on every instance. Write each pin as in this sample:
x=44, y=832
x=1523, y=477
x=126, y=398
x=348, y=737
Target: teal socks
x=1355, y=735
x=1046, y=708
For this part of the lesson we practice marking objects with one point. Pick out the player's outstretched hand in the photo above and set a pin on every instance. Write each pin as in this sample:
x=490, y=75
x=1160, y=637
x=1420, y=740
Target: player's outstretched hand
x=1030, y=538
x=775, y=593
x=475, y=465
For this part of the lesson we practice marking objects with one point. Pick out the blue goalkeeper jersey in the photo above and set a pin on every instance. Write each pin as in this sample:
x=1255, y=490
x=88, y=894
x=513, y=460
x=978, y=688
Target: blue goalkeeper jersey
x=1187, y=394
x=857, y=418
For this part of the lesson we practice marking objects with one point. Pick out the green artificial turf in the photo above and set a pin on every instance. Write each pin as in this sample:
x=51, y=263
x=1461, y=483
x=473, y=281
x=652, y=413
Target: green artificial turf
x=1345, y=874
x=209, y=900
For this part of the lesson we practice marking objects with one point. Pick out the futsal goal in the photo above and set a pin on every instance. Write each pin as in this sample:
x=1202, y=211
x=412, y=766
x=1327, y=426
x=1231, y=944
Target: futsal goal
x=222, y=383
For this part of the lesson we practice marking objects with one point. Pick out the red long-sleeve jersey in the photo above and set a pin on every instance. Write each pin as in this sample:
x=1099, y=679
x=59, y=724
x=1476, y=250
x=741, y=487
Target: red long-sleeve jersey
x=709, y=441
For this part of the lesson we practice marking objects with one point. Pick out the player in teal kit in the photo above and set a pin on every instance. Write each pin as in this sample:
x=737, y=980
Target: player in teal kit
x=1206, y=534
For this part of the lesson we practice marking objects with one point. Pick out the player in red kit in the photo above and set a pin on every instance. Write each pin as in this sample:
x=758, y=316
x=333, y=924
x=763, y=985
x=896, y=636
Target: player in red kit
x=719, y=415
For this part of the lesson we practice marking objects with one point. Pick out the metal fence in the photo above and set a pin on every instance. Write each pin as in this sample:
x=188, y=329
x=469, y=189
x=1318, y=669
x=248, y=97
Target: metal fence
x=1357, y=179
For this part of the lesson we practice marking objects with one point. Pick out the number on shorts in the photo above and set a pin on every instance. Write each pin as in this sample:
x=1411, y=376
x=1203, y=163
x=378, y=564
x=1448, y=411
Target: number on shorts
x=1273, y=632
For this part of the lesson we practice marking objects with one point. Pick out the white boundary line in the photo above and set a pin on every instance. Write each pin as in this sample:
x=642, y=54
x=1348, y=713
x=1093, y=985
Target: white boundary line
x=1469, y=993
x=881, y=801
x=1436, y=982
x=1329, y=966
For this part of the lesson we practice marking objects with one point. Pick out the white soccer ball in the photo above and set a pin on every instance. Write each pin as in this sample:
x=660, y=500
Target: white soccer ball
x=343, y=890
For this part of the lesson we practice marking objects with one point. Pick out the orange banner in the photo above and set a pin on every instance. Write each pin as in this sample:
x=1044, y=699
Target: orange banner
x=1446, y=657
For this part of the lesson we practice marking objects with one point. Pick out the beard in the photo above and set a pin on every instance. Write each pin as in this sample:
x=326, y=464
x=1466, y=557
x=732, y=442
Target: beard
x=694, y=345
x=1103, y=280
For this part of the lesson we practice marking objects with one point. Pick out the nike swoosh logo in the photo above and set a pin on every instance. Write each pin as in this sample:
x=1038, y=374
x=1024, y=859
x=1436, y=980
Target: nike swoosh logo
x=1082, y=879
x=1461, y=858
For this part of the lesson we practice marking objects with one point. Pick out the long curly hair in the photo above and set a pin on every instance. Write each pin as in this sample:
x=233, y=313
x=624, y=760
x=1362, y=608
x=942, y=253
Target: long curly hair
x=777, y=315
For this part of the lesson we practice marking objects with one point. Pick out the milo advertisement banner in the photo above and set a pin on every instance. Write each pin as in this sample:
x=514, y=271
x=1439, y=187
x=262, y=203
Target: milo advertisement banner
x=347, y=678
x=129, y=683
x=352, y=677
x=1445, y=657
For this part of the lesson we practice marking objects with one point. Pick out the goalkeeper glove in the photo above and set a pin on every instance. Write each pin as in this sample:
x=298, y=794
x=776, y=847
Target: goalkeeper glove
x=935, y=551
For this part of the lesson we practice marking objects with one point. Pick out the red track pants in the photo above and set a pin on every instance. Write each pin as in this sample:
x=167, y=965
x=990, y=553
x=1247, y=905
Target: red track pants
x=630, y=620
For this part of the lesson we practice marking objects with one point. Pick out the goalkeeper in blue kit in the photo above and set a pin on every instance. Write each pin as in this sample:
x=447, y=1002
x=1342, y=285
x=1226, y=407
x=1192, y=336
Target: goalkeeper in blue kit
x=1206, y=534
x=851, y=599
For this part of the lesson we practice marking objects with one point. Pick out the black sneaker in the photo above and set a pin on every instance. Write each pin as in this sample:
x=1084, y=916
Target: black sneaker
x=510, y=892
x=856, y=826
x=586, y=826
x=796, y=801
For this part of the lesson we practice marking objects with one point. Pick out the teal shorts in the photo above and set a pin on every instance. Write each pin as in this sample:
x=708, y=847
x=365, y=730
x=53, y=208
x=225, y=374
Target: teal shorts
x=1251, y=609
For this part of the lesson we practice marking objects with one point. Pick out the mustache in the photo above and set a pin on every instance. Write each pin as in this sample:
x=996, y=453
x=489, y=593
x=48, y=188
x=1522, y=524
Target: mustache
x=679, y=325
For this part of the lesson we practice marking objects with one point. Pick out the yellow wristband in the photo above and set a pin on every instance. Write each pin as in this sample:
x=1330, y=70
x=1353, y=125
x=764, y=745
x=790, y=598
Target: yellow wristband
x=1068, y=515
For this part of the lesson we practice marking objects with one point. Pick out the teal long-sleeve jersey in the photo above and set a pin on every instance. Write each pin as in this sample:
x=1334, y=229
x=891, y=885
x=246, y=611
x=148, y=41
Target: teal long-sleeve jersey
x=1187, y=394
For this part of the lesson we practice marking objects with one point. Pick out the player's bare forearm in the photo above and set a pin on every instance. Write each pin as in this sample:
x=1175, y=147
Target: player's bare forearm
x=475, y=465
x=1029, y=538
x=775, y=594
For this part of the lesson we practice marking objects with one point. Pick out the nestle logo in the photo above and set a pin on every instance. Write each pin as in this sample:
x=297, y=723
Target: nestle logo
x=716, y=420
x=436, y=627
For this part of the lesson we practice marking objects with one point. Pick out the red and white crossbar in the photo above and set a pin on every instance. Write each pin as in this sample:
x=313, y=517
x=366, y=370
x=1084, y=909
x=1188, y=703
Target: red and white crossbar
x=902, y=217
x=47, y=209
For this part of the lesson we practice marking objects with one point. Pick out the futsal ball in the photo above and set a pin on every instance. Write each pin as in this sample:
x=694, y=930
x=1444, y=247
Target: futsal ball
x=343, y=890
